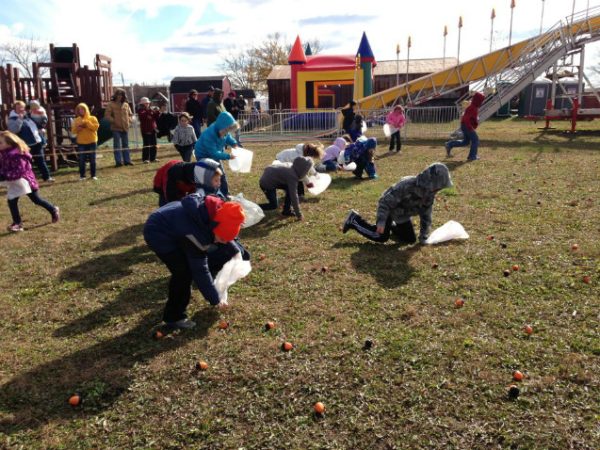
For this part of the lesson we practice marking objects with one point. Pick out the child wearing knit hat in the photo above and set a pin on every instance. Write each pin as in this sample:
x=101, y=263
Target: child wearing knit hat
x=194, y=238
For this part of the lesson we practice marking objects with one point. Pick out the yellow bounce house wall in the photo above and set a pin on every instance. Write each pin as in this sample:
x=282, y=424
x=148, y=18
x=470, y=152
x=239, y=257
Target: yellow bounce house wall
x=334, y=75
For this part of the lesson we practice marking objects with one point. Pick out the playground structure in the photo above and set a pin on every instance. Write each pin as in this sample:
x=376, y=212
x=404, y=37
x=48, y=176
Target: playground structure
x=65, y=84
x=504, y=73
x=318, y=80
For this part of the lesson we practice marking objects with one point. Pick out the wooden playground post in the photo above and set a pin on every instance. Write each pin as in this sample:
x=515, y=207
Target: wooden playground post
x=51, y=144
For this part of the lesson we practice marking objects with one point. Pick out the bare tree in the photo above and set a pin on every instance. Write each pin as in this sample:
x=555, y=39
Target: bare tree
x=271, y=52
x=23, y=53
x=238, y=69
x=250, y=68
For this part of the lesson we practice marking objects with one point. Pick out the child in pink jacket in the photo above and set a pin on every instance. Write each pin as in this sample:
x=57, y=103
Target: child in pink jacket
x=15, y=169
x=396, y=120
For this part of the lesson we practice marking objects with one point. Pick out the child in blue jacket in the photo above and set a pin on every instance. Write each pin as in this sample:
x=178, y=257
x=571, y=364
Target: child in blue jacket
x=213, y=141
x=194, y=238
x=361, y=152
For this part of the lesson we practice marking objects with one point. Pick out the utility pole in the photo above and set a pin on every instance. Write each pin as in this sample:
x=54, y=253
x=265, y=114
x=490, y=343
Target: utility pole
x=408, y=57
x=542, y=18
x=492, y=29
x=397, y=64
x=444, y=55
x=512, y=9
x=460, y=25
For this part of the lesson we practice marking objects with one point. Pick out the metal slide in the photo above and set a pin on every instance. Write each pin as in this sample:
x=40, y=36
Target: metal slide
x=500, y=74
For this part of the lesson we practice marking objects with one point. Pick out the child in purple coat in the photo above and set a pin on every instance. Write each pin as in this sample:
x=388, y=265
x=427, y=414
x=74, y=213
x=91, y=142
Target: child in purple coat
x=15, y=166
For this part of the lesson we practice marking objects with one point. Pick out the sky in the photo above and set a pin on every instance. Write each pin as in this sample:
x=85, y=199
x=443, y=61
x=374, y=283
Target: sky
x=152, y=41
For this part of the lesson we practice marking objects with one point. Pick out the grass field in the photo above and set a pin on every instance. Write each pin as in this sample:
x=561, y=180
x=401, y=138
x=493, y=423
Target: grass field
x=79, y=302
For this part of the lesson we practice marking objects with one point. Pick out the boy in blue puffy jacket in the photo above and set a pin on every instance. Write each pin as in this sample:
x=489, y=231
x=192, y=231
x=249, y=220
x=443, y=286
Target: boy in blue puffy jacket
x=361, y=152
x=213, y=141
x=194, y=238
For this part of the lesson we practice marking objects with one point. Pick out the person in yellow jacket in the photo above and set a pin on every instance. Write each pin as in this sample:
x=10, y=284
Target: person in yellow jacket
x=85, y=128
x=119, y=114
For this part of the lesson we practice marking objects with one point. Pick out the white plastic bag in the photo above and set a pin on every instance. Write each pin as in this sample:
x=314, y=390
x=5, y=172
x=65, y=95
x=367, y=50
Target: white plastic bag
x=252, y=211
x=386, y=130
x=350, y=167
x=243, y=160
x=234, y=269
x=17, y=188
x=320, y=181
x=447, y=232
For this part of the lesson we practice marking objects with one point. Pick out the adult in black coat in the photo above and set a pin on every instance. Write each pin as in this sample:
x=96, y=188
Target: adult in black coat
x=194, y=108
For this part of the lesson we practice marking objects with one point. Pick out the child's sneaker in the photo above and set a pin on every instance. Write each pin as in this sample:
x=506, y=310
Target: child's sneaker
x=288, y=213
x=50, y=180
x=348, y=222
x=185, y=324
x=94, y=178
x=56, y=215
x=374, y=176
x=81, y=178
x=15, y=227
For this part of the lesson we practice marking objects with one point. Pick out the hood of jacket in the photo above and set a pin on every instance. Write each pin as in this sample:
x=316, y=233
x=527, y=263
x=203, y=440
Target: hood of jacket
x=477, y=99
x=224, y=120
x=86, y=113
x=434, y=178
x=301, y=166
x=340, y=143
x=204, y=171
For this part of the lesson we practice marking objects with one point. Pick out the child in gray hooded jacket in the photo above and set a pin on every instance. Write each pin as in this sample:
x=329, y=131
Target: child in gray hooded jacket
x=409, y=197
x=286, y=178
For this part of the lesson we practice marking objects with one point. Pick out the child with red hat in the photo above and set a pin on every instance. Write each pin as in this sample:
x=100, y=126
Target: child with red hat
x=194, y=238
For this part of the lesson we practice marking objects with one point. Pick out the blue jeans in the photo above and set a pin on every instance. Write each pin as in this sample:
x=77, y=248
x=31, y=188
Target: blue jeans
x=37, y=153
x=34, y=196
x=331, y=165
x=121, y=145
x=87, y=152
x=469, y=137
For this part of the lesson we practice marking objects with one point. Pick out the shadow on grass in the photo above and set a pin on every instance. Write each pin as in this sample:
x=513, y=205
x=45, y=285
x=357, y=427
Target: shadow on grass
x=387, y=263
x=272, y=221
x=345, y=182
x=126, y=236
x=100, y=373
x=455, y=164
x=120, y=196
x=93, y=272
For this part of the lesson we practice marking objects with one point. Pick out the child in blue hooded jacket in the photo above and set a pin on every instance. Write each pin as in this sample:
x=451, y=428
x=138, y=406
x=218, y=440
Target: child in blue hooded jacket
x=213, y=141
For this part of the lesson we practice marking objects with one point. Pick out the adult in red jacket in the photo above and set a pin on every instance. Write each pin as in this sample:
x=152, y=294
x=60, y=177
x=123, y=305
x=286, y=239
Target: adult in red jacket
x=148, y=117
x=468, y=125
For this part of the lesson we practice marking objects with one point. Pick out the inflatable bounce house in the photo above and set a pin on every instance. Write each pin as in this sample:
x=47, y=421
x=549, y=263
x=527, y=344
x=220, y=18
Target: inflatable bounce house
x=330, y=81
